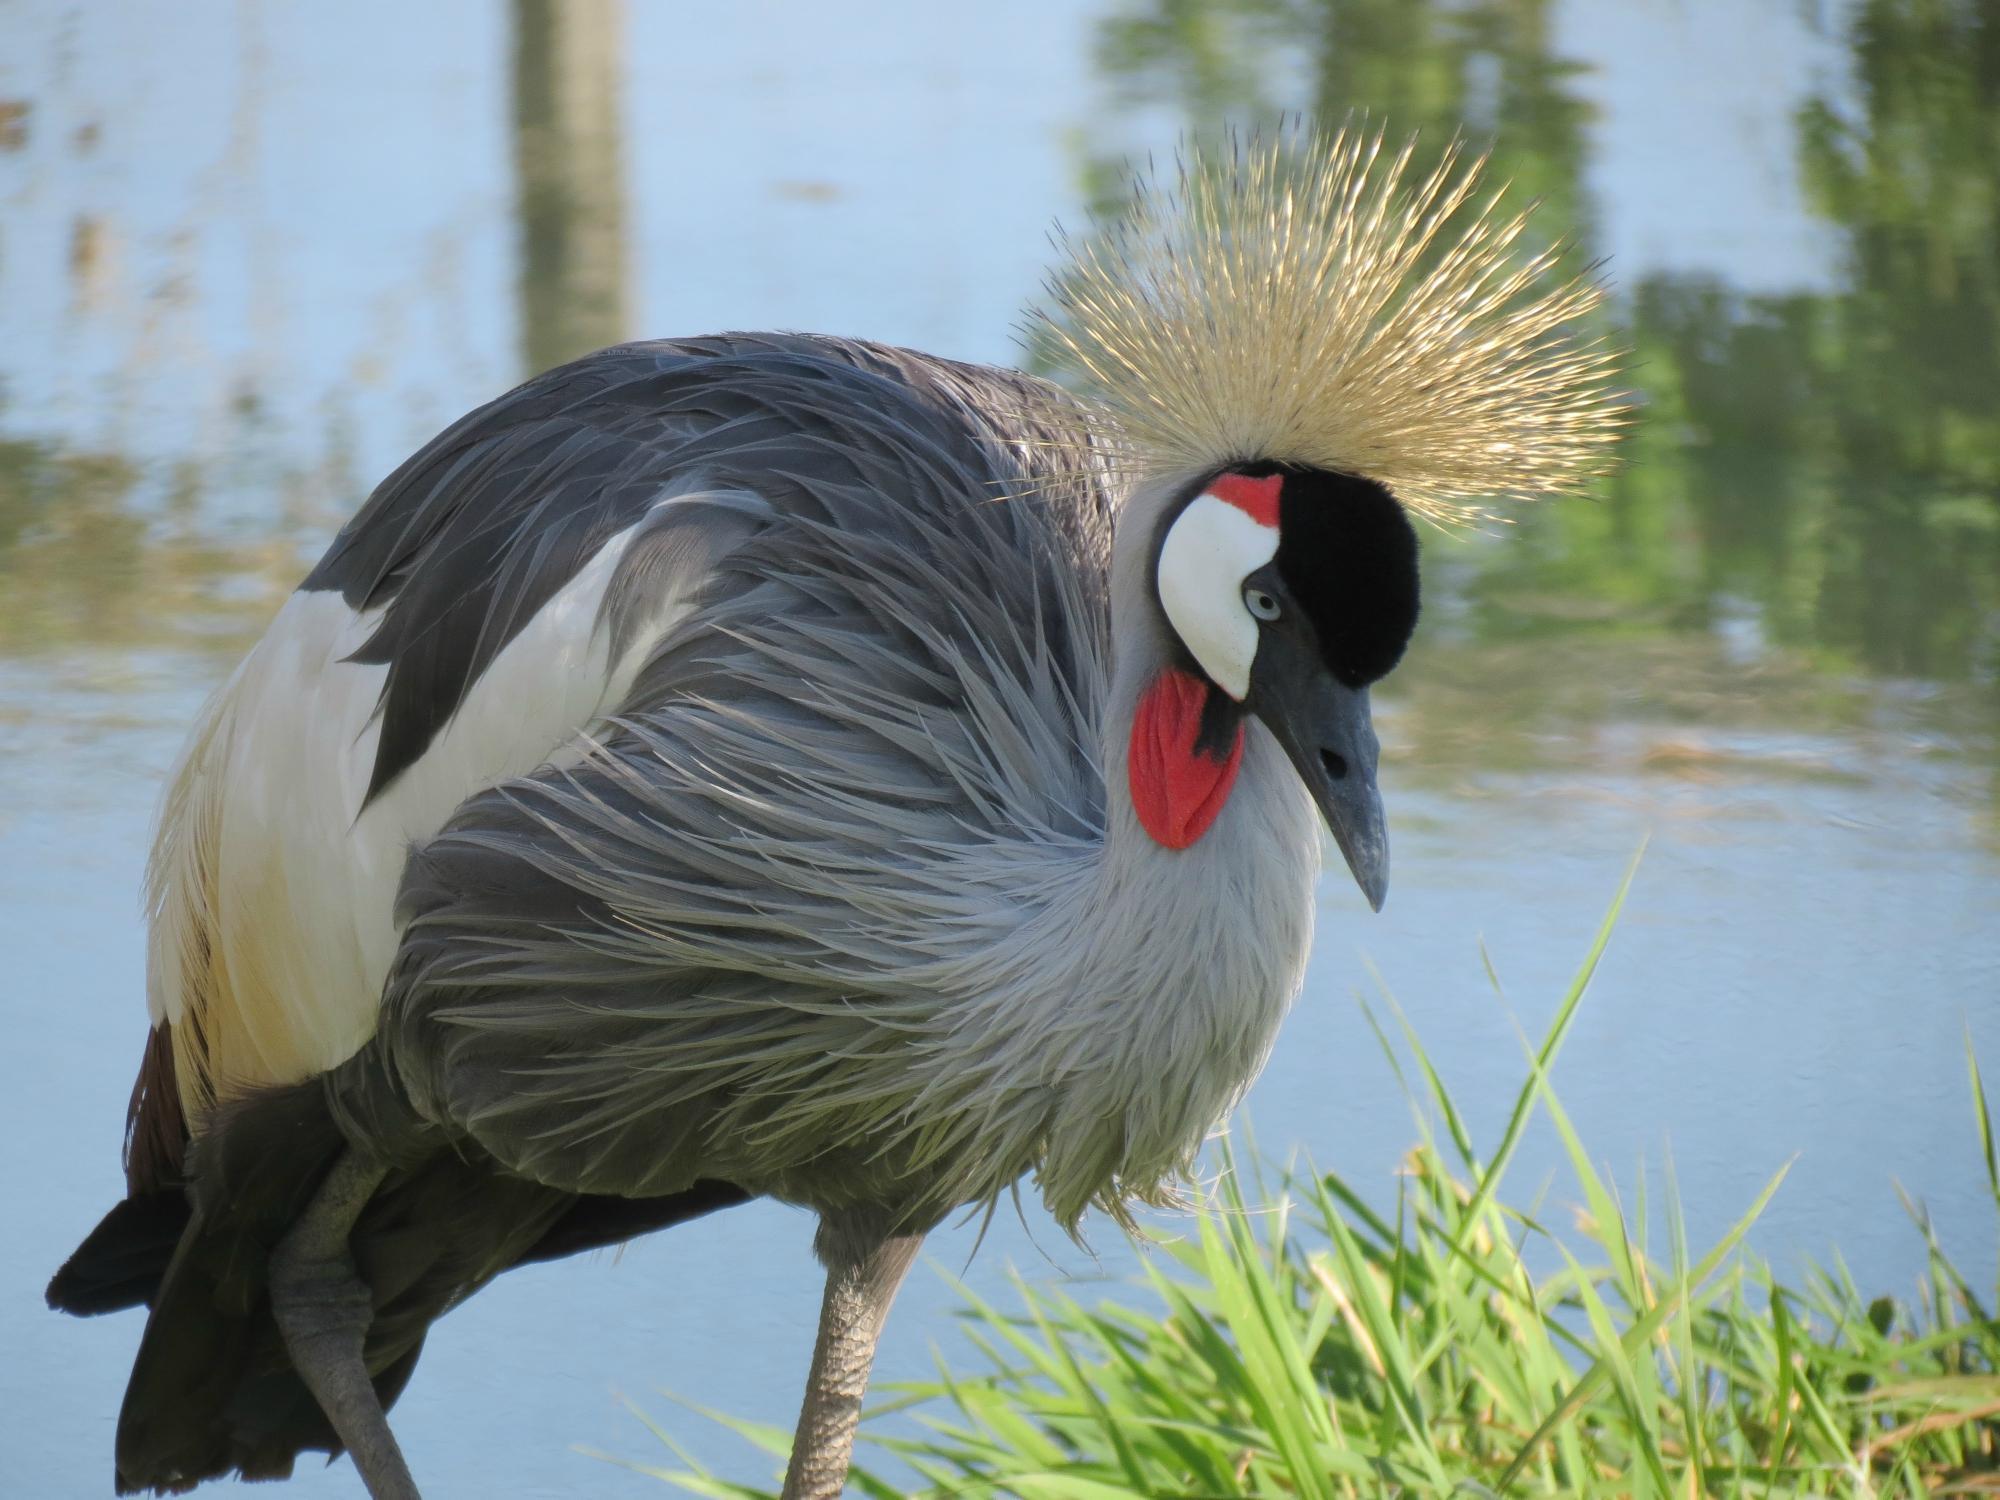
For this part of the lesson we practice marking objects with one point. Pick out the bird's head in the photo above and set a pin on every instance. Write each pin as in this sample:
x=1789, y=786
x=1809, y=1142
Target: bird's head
x=1290, y=347
x=1288, y=591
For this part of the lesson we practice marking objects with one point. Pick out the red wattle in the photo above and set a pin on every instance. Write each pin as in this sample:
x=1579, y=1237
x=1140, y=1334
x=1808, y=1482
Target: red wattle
x=1177, y=790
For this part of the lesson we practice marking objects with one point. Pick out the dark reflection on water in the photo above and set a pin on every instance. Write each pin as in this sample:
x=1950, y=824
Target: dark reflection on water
x=1821, y=471
x=1839, y=454
x=84, y=566
x=1813, y=472
x=575, y=295
x=1773, y=639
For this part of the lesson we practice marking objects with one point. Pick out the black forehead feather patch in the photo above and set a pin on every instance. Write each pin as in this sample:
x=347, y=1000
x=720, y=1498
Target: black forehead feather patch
x=1348, y=554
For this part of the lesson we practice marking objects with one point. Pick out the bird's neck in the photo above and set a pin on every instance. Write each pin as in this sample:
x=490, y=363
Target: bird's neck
x=1184, y=956
x=1130, y=985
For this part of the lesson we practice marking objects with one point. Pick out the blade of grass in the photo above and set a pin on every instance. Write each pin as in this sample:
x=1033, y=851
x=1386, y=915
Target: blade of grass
x=1545, y=1056
x=1641, y=1331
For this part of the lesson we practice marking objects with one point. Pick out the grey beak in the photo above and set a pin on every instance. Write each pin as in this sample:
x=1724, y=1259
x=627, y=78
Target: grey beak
x=1348, y=798
x=1326, y=729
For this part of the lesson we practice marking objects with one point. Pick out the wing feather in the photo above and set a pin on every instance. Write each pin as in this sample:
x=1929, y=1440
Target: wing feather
x=501, y=591
x=710, y=943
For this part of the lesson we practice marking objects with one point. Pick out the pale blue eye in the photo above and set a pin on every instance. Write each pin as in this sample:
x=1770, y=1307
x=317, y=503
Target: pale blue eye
x=1260, y=604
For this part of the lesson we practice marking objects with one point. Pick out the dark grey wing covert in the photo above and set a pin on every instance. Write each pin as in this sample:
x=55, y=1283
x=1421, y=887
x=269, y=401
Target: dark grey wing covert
x=618, y=971
x=467, y=540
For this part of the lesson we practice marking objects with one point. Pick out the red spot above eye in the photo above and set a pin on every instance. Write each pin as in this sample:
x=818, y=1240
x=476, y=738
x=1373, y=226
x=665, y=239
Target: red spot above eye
x=1177, y=789
x=1256, y=498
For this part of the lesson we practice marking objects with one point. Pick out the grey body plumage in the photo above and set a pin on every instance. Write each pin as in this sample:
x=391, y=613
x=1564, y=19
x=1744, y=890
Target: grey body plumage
x=836, y=906
x=803, y=768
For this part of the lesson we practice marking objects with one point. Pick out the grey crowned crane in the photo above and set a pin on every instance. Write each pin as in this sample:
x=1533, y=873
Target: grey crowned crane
x=778, y=765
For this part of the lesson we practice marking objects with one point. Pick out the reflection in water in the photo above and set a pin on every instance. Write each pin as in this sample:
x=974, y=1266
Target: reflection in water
x=80, y=565
x=1836, y=456
x=1440, y=68
x=574, y=292
x=1815, y=483
x=193, y=537
x=1816, y=478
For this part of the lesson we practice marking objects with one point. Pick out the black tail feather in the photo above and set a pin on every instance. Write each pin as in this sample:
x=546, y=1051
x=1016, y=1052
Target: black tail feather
x=121, y=1262
x=252, y=1171
x=212, y=1390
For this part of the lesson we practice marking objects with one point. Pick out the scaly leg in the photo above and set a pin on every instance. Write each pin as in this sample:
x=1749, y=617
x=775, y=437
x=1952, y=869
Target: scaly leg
x=862, y=1274
x=323, y=1310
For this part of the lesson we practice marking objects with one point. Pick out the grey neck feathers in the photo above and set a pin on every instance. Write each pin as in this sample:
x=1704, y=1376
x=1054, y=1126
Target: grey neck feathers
x=1141, y=1000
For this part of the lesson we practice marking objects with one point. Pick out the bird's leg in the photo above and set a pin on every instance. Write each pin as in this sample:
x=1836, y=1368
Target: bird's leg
x=323, y=1311
x=862, y=1274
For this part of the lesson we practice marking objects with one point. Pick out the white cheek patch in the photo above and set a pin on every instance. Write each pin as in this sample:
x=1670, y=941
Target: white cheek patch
x=1210, y=549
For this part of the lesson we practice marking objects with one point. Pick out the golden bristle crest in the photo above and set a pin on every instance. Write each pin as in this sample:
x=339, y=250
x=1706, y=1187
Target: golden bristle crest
x=1310, y=300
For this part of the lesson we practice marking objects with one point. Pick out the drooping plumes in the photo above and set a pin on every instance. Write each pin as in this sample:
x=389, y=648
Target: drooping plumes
x=1307, y=299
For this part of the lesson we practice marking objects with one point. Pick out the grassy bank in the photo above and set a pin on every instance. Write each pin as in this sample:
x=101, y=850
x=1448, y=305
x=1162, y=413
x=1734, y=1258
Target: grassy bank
x=1293, y=1340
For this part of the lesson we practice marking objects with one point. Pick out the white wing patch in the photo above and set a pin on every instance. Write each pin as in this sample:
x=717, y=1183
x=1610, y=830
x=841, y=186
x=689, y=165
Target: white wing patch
x=271, y=892
x=1208, y=552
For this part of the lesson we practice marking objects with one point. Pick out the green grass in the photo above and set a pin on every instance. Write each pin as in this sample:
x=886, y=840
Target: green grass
x=1313, y=1346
